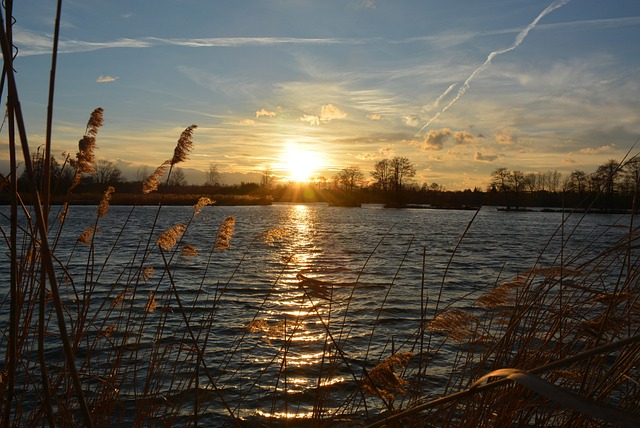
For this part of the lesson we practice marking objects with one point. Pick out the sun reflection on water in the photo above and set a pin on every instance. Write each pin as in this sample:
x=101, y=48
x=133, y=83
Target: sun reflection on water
x=301, y=343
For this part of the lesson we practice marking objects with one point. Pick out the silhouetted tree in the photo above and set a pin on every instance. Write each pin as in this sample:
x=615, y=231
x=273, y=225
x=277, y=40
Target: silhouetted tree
x=500, y=180
x=350, y=178
x=607, y=174
x=213, y=175
x=517, y=180
x=267, y=179
x=106, y=172
x=578, y=181
x=402, y=169
x=381, y=174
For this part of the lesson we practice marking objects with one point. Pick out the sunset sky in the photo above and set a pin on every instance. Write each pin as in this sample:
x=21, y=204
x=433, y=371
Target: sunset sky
x=460, y=87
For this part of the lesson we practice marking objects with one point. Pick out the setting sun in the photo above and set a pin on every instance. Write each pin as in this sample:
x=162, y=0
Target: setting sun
x=301, y=164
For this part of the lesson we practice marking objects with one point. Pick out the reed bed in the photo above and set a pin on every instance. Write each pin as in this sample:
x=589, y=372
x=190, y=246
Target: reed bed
x=557, y=345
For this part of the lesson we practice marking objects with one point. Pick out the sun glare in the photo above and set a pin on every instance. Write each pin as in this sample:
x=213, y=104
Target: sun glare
x=301, y=164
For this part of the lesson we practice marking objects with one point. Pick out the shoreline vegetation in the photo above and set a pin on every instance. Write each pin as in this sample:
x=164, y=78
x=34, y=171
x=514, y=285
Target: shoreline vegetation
x=557, y=345
x=188, y=199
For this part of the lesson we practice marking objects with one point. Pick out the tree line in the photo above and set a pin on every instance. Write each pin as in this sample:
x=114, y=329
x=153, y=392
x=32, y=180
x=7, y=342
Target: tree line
x=613, y=185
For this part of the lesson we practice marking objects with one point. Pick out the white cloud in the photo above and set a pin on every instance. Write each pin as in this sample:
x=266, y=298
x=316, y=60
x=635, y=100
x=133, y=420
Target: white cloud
x=311, y=120
x=248, y=122
x=330, y=112
x=374, y=116
x=264, y=112
x=106, y=79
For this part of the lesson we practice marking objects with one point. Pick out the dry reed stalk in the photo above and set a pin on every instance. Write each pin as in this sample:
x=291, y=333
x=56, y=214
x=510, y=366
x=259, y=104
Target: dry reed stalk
x=457, y=324
x=168, y=239
x=189, y=250
x=202, y=202
x=502, y=294
x=151, y=183
x=225, y=233
x=383, y=380
x=271, y=236
x=103, y=206
x=85, y=157
x=184, y=146
x=87, y=235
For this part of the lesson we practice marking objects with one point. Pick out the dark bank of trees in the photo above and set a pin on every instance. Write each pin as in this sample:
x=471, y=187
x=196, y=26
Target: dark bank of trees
x=612, y=186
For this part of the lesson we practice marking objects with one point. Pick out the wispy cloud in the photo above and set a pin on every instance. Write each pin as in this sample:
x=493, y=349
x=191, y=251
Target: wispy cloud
x=369, y=4
x=373, y=116
x=596, y=150
x=32, y=43
x=517, y=42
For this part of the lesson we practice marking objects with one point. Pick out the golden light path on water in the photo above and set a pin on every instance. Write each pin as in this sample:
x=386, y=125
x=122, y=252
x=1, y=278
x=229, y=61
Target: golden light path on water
x=306, y=343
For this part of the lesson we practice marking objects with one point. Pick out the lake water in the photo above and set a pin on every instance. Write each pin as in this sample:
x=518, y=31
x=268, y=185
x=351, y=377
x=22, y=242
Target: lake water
x=268, y=342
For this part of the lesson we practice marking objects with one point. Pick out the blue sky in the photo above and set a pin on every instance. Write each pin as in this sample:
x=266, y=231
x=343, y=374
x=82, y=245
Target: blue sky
x=460, y=87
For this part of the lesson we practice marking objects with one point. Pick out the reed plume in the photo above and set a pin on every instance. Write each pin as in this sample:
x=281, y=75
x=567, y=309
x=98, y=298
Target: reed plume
x=272, y=235
x=184, y=146
x=223, y=240
x=189, y=251
x=383, y=381
x=202, y=202
x=147, y=273
x=87, y=235
x=151, y=183
x=103, y=207
x=168, y=239
x=456, y=323
x=151, y=304
x=85, y=157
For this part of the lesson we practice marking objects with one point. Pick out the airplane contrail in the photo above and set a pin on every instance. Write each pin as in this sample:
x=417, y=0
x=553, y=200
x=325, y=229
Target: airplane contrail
x=519, y=39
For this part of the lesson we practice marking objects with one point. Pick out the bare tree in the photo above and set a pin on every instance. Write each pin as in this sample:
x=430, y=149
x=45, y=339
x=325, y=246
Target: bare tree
x=381, y=174
x=607, y=175
x=142, y=173
x=632, y=173
x=213, y=176
x=578, y=181
x=350, y=178
x=402, y=169
x=518, y=181
x=177, y=178
x=266, y=181
x=106, y=172
x=501, y=181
